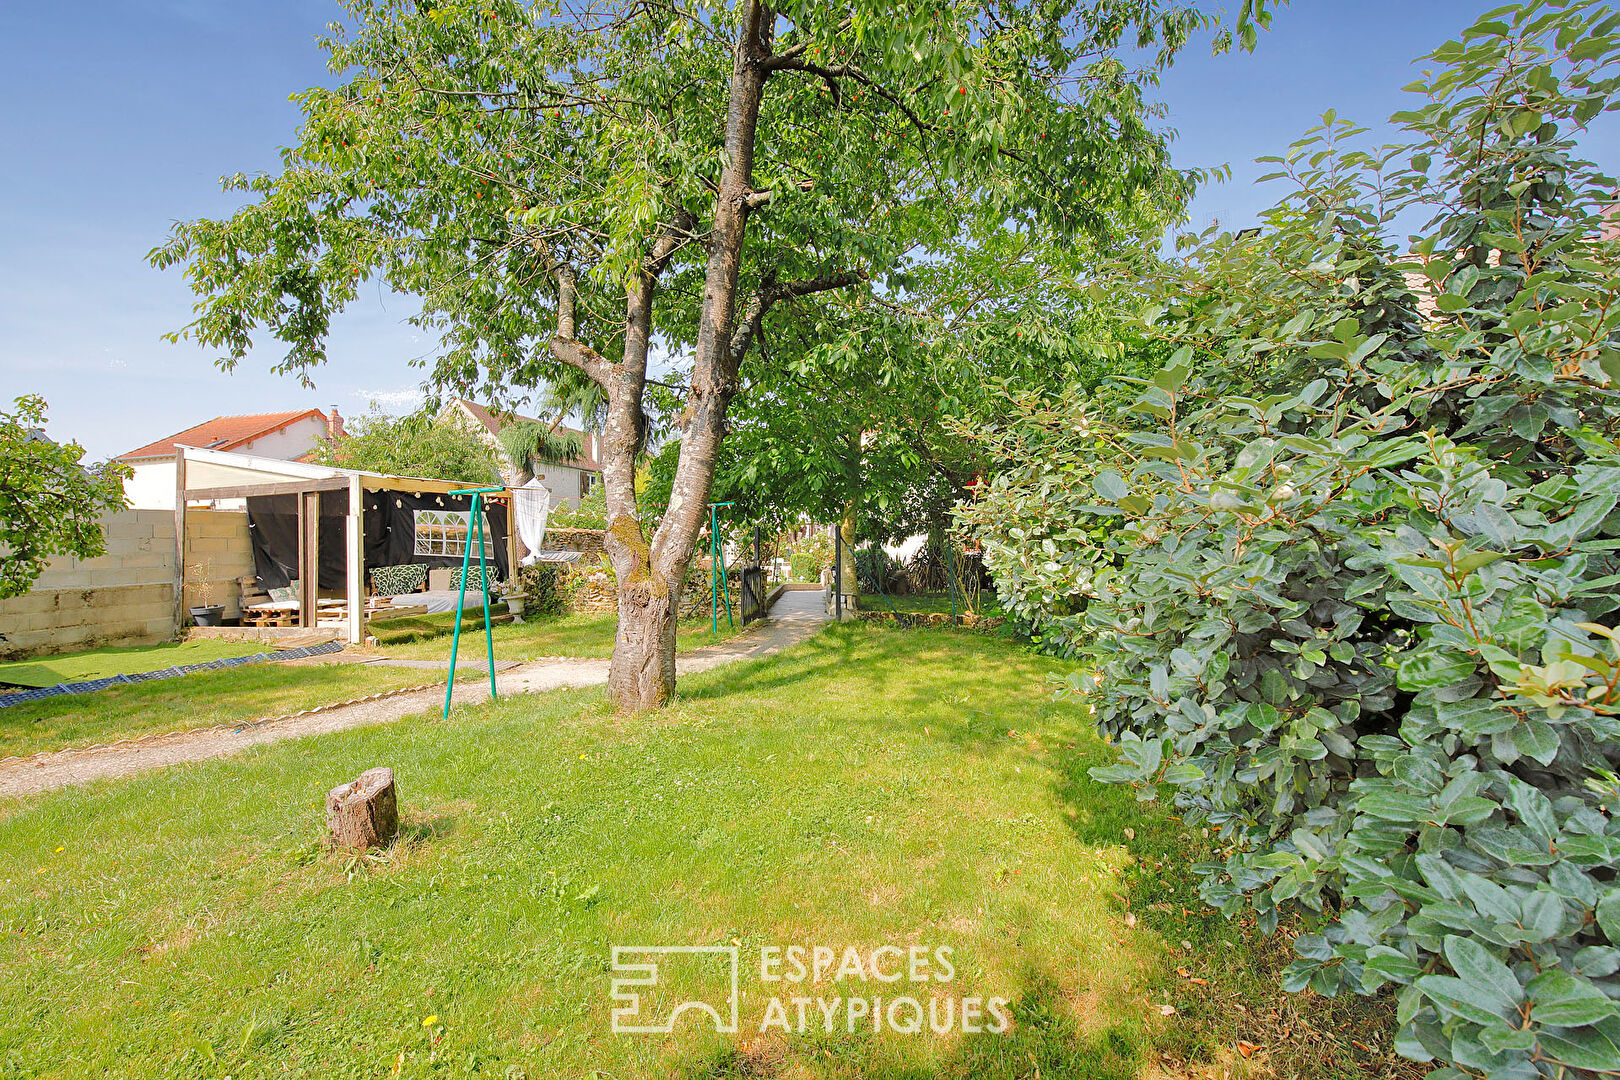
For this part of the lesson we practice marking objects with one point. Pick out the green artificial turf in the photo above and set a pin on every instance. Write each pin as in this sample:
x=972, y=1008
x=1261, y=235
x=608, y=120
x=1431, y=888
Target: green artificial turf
x=104, y=663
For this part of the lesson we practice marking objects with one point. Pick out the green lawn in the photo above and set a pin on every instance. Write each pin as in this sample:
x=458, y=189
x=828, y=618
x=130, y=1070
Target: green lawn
x=873, y=787
x=427, y=637
x=191, y=701
x=987, y=606
x=102, y=663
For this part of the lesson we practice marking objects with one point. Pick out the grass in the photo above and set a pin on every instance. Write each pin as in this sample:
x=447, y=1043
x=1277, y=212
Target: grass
x=102, y=663
x=872, y=787
x=988, y=606
x=427, y=637
x=191, y=701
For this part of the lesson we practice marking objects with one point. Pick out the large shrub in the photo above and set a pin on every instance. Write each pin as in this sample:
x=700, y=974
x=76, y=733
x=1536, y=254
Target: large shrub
x=1349, y=570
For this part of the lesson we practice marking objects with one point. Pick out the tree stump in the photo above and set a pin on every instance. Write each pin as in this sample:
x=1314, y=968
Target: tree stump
x=363, y=814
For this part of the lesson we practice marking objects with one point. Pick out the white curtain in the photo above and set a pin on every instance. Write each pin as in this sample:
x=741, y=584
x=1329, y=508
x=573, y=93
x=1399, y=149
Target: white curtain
x=531, y=505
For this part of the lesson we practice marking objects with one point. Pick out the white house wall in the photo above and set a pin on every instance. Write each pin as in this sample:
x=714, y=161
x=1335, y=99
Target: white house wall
x=562, y=481
x=152, y=485
x=293, y=441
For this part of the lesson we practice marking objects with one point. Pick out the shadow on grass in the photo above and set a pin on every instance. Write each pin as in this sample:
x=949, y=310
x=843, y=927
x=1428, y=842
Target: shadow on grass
x=883, y=665
x=1044, y=1041
x=1222, y=976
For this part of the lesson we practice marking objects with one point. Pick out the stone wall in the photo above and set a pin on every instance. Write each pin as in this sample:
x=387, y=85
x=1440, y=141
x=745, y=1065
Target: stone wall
x=125, y=597
x=591, y=589
x=588, y=541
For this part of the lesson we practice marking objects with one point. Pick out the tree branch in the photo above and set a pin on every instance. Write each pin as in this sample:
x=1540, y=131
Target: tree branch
x=793, y=52
x=770, y=293
x=563, y=345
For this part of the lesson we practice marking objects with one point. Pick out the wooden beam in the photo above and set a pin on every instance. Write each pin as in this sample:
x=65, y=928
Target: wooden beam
x=309, y=557
x=355, y=593
x=290, y=487
x=414, y=484
x=511, y=545
x=179, y=538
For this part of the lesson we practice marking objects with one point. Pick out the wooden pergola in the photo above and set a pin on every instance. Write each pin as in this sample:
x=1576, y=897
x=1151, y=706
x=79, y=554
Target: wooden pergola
x=203, y=475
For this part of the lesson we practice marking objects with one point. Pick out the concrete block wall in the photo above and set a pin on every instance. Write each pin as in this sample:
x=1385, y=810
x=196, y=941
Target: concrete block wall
x=125, y=597
x=217, y=551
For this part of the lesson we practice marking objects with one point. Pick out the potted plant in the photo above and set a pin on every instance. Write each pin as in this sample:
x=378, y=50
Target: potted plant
x=199, y=576
x=514, y=604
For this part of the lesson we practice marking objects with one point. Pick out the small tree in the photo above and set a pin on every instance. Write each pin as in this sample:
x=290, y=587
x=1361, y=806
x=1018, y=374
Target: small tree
x=50, y=504
x=420, y=444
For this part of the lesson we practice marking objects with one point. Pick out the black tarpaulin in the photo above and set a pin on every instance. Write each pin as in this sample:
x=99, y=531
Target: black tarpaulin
x=388, y=523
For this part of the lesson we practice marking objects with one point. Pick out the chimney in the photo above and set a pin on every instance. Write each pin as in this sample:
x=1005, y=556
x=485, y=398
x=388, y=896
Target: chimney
x=334, y=426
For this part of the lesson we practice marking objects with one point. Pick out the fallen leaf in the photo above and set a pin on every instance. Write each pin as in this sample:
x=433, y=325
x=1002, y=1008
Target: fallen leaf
x=1167, y=1010
x=1247, y=1049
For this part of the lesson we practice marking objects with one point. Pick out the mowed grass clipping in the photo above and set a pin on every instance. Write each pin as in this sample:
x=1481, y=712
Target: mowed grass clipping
x=872, y=787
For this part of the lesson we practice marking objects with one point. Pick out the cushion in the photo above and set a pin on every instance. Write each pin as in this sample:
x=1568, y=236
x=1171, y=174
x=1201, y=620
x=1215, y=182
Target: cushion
x=475, y=578
x=398, y=580
x=285, y=593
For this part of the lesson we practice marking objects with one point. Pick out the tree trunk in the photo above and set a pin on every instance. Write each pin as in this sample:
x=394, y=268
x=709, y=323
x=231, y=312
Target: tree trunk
x=642, y=674
x=848, y=573
x=363, y=813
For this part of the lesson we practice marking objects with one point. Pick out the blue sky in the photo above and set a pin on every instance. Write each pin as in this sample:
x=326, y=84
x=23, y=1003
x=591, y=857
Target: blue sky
x=121, y=117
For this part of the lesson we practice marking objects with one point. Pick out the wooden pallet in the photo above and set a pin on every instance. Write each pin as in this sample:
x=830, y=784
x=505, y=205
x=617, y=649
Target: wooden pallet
x=270, y=618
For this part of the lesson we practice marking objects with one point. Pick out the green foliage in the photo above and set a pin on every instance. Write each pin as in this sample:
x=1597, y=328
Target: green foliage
x=1353, y=590
x=876, y=571
x=525, y=440
x=416, y=445
x=467, y=151
x=872, y=407
x=810, y=556
x=589, y=513
x=541, y=583
x=50, y=504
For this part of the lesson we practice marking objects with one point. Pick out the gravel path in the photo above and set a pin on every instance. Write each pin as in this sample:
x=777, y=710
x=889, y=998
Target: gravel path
x=794, y=618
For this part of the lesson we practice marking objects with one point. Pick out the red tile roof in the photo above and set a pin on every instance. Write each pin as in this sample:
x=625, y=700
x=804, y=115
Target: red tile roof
x=494, y=421
x=222, y=433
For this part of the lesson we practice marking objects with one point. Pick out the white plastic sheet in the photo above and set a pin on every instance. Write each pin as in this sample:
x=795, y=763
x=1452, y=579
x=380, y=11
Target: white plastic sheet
x=531, y=506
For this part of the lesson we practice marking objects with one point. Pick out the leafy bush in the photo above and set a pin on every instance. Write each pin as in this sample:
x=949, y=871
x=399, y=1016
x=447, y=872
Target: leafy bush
x=876, y=571
x=50, y=503
x=809, y=557
x=590, y=513
x=1349, y=569
x=543, y=584
x=420, y=444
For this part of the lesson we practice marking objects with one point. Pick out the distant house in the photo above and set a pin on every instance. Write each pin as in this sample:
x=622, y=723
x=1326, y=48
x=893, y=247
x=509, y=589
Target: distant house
x=284, y=435
x=567, y=482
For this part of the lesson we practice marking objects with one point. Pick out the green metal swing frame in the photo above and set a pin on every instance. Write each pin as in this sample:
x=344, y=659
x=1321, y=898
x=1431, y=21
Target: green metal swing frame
x=475, y=523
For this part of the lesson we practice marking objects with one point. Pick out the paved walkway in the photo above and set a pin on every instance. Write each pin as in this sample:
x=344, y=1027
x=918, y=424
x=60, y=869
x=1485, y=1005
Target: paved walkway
x=793, y=619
